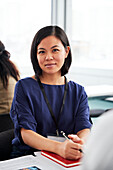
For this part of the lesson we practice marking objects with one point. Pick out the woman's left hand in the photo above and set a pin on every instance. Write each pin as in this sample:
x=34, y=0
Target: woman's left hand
x=76, y=139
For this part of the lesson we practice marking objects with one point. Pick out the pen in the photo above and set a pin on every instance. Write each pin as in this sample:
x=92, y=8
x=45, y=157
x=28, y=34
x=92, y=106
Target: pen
x=70, y=139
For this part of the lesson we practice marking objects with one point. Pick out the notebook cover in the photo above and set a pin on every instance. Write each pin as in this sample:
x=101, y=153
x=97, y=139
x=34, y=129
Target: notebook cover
x=60, y=160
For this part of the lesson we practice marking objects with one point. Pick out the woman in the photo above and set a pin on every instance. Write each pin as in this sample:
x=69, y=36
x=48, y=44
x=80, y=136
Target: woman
x=9, y=75
x=47, y=103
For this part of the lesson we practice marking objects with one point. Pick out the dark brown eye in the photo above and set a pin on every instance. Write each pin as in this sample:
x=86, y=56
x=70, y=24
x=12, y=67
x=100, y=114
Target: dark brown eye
x=55, y=50
x=41, y=52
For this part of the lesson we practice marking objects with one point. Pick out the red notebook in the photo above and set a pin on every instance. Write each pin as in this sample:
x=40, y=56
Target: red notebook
x=60, y=160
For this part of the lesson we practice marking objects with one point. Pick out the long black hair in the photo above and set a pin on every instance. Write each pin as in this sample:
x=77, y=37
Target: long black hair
x=7, y=67
x=40, y=35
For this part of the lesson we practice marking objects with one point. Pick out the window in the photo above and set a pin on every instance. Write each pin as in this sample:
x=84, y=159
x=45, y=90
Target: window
x=19, y=21
x=92, y=33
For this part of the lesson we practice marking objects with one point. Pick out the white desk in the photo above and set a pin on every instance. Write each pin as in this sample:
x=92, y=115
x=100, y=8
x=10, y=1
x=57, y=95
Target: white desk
x=99, y=90
x=39, y=161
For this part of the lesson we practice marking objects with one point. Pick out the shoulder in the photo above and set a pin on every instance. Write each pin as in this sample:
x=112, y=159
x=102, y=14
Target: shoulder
x=76, y=86
x=77, y=90
x=100, y=143
x=11, y=85
x=25, y=83
x=12, y=80
x=105, y=121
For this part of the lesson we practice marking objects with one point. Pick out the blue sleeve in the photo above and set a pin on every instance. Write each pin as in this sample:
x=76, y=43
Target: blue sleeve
x=21, y=110
x=82, y=116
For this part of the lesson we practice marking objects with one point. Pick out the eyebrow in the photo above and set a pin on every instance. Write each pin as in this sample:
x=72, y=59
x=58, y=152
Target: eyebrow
x=54, y=46
x=40, y=49
x=51, y=47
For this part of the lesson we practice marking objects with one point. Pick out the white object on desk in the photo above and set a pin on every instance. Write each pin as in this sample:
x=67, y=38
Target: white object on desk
x=39, y=161
x=17, y=163
x=109, y=99
x=56, y=138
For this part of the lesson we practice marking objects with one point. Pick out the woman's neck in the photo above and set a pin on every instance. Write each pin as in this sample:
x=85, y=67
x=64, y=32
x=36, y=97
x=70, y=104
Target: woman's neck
x=52, y=80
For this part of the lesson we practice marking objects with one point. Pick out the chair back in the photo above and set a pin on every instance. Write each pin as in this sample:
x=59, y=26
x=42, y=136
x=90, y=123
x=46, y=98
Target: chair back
x=6, y=144
x=5, y=122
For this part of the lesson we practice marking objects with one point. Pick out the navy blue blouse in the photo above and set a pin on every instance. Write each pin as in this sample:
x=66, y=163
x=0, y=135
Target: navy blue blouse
x=30, y=111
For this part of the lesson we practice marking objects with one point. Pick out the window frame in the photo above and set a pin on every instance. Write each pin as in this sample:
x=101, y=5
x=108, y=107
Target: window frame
x=61, y=16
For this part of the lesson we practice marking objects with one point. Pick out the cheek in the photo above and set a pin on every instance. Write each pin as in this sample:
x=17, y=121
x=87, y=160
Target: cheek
x=40, y=60
x=61, y=57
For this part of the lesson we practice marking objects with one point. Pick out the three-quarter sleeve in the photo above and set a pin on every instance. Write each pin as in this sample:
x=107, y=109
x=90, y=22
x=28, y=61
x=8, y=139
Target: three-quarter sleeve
x=82, y=115
x=21, y=110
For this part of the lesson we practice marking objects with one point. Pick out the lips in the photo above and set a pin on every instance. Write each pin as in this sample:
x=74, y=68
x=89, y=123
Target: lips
x=50, y=65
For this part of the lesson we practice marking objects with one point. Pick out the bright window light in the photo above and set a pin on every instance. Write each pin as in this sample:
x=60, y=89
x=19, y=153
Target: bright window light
x=92, y=33
x=19, y=21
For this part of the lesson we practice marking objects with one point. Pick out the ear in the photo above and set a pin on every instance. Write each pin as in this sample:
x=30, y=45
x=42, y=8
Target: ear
x=67, y=51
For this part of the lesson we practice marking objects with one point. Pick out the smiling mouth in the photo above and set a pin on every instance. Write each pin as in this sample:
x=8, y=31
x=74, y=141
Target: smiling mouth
x=50, y=65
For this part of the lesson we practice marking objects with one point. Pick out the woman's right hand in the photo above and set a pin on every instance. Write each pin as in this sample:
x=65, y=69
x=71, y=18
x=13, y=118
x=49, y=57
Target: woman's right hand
x=70, y=150
x=67, y=149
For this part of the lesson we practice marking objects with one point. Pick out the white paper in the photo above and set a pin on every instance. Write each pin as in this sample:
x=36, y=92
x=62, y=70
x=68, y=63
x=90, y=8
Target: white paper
x=18, y=163
x=27, y=161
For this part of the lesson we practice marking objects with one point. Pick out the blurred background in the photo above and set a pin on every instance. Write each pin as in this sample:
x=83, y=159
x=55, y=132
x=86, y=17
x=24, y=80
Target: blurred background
x=88, y=24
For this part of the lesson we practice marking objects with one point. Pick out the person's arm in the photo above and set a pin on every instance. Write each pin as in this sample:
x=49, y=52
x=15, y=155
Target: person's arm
x=83, y=134
x=67, y=149
x=82, y=120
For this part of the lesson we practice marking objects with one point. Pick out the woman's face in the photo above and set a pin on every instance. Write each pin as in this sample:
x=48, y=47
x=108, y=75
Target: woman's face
x=51, y=55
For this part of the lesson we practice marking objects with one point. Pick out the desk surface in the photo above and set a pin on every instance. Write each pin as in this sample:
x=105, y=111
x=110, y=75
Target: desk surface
x=99, y=90
x=39, y=161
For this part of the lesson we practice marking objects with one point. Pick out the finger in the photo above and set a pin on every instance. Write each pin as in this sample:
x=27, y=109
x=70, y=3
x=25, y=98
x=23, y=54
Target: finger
x=76, y=146
x=74, y=138
x=74, y=154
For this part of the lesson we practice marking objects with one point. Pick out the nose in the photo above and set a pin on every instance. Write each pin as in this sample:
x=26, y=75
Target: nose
x=49, y=56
